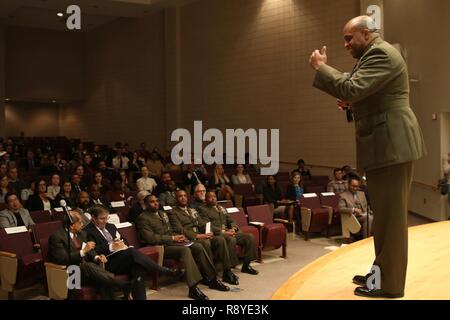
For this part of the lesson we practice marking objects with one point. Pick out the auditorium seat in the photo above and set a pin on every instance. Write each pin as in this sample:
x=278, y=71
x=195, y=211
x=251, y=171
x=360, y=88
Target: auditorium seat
x=241, y=220
x=128, y=231
x=45, y=230
x=41, y=216
x=330, y=200
x=249, y=196
x=272, y=234
x=21, y=265
x=313, y=216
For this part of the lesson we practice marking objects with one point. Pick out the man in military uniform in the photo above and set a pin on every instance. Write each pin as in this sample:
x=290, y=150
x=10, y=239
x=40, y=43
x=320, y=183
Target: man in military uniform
x=154, y=229
x=188, y=222
x=222, y=225
x=388, y=140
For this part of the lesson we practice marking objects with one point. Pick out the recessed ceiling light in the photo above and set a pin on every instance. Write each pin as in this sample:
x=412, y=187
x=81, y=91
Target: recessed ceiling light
x=60, y=14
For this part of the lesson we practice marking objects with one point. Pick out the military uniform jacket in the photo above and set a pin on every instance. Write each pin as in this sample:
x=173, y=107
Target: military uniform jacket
x=188, y=223
x=387, y=131
x=154, y=228
x=219, y=218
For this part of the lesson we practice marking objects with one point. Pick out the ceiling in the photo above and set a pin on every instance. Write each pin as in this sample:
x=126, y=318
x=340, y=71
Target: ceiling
x=94, y=13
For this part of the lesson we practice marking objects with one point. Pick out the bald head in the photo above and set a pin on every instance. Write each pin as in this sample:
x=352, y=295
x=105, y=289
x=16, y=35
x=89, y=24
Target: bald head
x=362, y=22
x=358, y=34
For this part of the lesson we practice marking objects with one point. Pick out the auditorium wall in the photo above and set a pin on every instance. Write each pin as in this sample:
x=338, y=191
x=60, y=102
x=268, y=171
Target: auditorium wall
x=43, y=65
x=34, y=119
x=2, y=80
x=420, y=27
x=124, y=85
x=244, y=64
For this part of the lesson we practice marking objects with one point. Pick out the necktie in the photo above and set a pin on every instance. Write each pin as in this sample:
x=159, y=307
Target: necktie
x=107, y=235
x=75, y=242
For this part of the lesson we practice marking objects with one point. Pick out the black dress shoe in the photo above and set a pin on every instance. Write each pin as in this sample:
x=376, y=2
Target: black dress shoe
x=230, y=277
x=375, y=293
x=218, y=285
x=248, y=269
x=360, y=280
x=196, y=294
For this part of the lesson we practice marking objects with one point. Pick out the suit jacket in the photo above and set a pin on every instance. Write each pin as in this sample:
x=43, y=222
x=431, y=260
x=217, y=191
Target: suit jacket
x=58, y=250
x=101, y=244
x=189, y=225
x=347, y=202
x=8, y=219
x=387, y=131
x=219, y=218
x=154, y=228
x=34, y=203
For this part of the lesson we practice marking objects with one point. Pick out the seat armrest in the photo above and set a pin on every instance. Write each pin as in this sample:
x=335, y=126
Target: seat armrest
x=280, y=220
x=256, y=224
x=56, y=281
x=7, y=254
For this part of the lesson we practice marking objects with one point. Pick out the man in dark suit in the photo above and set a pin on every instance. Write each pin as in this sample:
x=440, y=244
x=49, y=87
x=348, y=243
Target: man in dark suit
x=155, y=229
x=388, y=141
x=222, y=225
x=187, y=221
x=121, y=258
x=82, y=253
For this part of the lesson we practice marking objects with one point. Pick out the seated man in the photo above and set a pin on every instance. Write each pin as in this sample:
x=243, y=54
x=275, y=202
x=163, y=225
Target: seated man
x=15, y=215
x=155, y=229
x=121, y=258
x=188, y=222
x=199, y=197
x=354, y=211
x=83, y=205
x=139, y=207
x=168, y=198
x=338, y=184
x=222, y=225
x=82, y=253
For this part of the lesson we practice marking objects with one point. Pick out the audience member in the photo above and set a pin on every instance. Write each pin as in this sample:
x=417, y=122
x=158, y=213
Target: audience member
x=188, y=222
x=240, y=177
x=126, y=259
x=354, y=211
x=39, y=200
x=155, y=229
x=54, y=188
x=223, y=225
x=145, y=183
x=338, y=184
x=15, y=215
x=222, y=183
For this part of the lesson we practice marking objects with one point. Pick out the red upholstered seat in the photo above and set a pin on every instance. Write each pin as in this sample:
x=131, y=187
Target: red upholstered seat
x=272, y=235
x=241, y=220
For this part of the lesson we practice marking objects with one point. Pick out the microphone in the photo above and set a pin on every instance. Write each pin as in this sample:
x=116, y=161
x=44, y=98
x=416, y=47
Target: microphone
x=63, y=204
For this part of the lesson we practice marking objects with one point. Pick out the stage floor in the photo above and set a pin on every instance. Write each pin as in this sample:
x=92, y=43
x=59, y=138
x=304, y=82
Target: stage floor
x=330, y=277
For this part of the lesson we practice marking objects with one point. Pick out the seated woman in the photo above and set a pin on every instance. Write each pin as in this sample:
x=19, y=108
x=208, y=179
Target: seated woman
x=40, y=199
x=67, y=195
x=240, y=177
x=221, y=183
x=54, y=188
x=273, y=197
x=100, y=182
x=294, y=192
